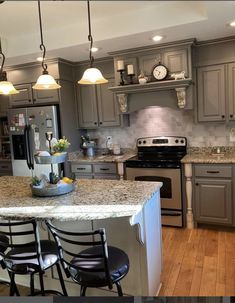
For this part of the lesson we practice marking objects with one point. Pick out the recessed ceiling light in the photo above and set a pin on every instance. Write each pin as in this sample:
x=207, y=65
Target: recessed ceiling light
x=39, y=59
x=94, y=49
x=232, y=23
x=157, y=38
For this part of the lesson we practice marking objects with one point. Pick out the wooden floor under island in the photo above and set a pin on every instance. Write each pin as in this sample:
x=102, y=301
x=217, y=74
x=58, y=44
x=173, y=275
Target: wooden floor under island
x=129, y=211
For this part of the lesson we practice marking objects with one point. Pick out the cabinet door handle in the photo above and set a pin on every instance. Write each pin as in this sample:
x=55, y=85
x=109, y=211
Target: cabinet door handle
x=231, y=116
x=81, y=168
x=196, y=184
x=213, y=171
x=95, y=123
x=101, y=123
x=104, y=169
x=222, y=116
x=4, y=166
x=29, y=100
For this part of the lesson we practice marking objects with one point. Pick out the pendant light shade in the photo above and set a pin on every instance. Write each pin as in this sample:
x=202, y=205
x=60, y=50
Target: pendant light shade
x=45, y=81
x=91, y=75
x=6, y=87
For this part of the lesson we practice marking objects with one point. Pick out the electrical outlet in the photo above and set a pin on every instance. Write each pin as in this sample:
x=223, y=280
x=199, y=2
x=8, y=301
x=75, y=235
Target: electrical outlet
x=232, y=134
x=109, y=138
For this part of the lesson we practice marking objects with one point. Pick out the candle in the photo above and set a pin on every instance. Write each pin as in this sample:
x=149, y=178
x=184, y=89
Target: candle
x=120, y=65
x=130, y=69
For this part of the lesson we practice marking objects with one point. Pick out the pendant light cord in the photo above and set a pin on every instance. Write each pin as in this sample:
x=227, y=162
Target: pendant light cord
x=3, y=57
x=42, y=46
x=90, y=38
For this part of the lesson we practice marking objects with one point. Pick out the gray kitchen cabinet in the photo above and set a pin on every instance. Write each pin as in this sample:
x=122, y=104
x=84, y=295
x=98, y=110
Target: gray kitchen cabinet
x=231, y=90
x=213, y=202
x=95, y=170
x=5, y=168
x=28, y=96
x=97, y=106
x=176, y=61
x=211, y=93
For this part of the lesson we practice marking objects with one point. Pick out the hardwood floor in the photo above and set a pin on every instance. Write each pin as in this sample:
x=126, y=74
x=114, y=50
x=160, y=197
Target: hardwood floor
x=198, y=262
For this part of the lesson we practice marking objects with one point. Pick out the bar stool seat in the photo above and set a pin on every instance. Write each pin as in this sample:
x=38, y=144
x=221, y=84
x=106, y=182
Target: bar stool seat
x=118, y=266
x=49, y=255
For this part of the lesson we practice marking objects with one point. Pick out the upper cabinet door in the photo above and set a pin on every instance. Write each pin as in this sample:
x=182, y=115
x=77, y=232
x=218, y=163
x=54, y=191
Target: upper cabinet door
x=24, y=98
x=87, y=106
x=211, y=93
x=176, y=61
x=107, y=105
x=45, y=96
x=231, y=90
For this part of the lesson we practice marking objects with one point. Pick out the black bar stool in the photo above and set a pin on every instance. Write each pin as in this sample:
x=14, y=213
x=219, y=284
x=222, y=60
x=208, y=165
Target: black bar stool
x=4, y=243
x=99, y=265
x=29, y=258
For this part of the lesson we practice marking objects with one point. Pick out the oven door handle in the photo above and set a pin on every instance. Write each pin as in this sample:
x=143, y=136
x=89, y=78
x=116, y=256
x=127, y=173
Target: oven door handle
x=172, y=214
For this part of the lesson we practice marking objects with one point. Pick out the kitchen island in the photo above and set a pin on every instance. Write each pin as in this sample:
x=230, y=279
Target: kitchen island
x=129, y=211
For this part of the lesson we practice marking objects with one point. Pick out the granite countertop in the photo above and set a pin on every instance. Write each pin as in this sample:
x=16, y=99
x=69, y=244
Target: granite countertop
x=92, y=199
x=79, y=157
x=209, y=158
x=210, y=155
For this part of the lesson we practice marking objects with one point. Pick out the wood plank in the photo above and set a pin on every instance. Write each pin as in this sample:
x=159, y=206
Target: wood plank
x=208, y=281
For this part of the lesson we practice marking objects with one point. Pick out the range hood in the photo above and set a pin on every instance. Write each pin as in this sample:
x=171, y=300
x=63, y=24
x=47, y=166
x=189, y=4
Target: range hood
x=179, y=86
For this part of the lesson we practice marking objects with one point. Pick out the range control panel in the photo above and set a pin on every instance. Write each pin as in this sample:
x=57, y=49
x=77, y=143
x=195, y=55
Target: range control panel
x=161, y=141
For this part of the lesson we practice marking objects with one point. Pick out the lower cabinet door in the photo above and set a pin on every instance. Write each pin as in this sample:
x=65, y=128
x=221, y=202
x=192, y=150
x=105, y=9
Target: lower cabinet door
x=213, y=201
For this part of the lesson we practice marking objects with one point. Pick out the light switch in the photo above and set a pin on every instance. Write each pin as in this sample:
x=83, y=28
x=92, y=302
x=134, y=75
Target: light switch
x=232, y=134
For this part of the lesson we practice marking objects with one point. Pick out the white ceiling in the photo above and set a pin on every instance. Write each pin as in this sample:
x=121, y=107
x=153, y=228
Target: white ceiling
x=116, y=25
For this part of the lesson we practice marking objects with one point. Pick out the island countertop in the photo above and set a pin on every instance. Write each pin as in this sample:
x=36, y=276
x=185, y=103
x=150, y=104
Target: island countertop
x=92, y=199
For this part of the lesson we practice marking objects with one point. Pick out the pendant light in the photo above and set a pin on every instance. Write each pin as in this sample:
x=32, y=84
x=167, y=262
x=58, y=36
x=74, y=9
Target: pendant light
x=45, y=81
x=6, y=87
x=91, y=75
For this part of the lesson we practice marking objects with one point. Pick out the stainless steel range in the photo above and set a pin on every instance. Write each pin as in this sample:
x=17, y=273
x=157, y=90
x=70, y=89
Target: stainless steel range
x=158, y=160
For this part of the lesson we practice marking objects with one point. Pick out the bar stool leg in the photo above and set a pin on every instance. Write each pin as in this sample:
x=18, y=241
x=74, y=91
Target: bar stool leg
x=9, y=284
x=12, y=285
x=61, y=280
x=119, y=289
x=83, y=291
x=41, y=283
x=32, y=284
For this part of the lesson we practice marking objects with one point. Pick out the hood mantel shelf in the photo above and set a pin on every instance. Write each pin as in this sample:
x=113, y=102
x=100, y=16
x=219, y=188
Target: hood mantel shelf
x=180, y=87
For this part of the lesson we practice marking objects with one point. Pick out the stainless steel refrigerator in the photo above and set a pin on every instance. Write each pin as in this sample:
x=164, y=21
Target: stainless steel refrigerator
x=28, y=127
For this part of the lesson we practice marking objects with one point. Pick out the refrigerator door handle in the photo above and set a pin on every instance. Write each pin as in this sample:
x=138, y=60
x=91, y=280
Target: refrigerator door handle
x=26, y=144
x=30, y=138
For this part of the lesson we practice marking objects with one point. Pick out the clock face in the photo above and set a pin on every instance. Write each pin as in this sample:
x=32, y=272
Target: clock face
x=160, y=72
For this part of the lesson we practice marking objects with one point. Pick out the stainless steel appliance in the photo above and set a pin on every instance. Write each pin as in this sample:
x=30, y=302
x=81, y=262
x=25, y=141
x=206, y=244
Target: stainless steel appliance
x=158, y=160
x=27, y=128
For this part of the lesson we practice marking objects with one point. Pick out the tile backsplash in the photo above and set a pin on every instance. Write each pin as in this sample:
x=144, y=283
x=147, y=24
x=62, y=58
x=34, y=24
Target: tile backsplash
x=159, y=121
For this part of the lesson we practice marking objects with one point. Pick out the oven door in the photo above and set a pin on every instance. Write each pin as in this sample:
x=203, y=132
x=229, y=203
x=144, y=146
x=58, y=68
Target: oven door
x=170, y=177
x=170, y=192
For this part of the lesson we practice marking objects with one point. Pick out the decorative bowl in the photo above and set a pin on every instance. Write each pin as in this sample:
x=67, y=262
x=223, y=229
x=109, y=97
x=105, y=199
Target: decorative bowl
x=54, y=159
x=52, y=190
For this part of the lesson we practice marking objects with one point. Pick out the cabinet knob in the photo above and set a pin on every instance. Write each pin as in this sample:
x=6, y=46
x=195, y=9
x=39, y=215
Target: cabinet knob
x=101, y=123
x=196, y=184
x=231, y=116
x=222, y=116
x=29, y=100
x=95, y=123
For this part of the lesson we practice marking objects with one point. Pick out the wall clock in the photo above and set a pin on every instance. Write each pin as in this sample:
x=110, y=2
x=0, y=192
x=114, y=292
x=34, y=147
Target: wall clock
x=159, y=72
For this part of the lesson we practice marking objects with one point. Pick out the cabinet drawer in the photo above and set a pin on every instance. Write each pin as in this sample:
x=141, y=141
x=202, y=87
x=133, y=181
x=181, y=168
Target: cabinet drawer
x=107, y=177
x=81, y=176
x=213, y=171
x=107, y=168
x=5, y=166
x=81, y=168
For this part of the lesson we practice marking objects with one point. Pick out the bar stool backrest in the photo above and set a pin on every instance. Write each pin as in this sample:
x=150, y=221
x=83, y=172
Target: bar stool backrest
x=16, y=231
x=72, y=240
